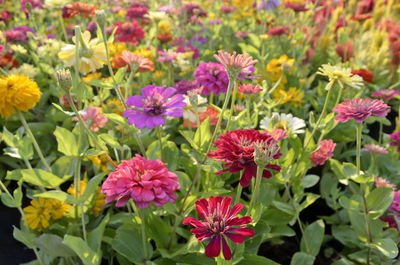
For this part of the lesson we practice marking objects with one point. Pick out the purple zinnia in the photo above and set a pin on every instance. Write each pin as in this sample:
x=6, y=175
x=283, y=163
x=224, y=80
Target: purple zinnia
x=395, y=140
x=394, y=209
x=360, y=109
x=386, y=94
x=269, y=4
x=151, y=107
x=183, y=86
x=211, y=77
x=18, y=34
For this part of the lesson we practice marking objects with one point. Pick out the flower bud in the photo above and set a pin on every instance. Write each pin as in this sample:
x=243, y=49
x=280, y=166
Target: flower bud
x=101, y=18
x=64, y=79
x=264, y=152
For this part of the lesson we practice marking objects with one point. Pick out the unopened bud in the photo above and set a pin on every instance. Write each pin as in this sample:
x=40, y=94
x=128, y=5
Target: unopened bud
x=64, y=79
x=101, y=18
x=264, y=152
x=193, y=97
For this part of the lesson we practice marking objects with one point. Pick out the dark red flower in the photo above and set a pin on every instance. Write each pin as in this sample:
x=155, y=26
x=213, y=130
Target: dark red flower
x=278, y=31
x=237, y=148
x=391, y=223
x=137, y=10
x=345, y=51
x=129, y=32
x=297, y=7
x=164, y=37
x=219, y=222
x=366, y=75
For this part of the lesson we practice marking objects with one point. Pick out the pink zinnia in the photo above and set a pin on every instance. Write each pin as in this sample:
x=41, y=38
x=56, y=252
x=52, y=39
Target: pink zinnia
x=360, y=109
x=395, y=140
x=95, y=118
x=219, y=223
x=249, y=89
x=143, y=181
x=278, y=31
x=386, y=94
x=376, y=149
x=323, y=153
x=394, y=208
x=130, y=32
x=381, y=182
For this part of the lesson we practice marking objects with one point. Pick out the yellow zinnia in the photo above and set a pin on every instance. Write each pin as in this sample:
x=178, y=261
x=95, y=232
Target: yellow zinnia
x=92, y=54
x=38, y=214
x=293, y=96
x=99, y=198
x=18, y=92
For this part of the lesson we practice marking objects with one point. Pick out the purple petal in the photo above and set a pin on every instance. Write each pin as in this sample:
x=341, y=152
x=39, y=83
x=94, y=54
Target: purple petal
x=135, y=101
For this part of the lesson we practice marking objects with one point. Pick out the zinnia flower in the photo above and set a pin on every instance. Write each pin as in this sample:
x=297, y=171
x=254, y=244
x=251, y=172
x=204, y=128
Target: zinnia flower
x=394, y=208
x=92, y=54
x=76, y=8
x=94, y=117
x=236, y=148
x=17, y=92
x=249, y=89
x=345, y=51
x=323, y=153
x=211, y=77
x=18, y=34
x=381, y=182
x=386, y=94
x=360, y=109
x=376, y=149
x=366, y=75
x=219, y=222
x=142, y=180
x=287, y=122
x=278, y=31
x=38, y=214
x=395, y=140
x=130, y=32
x=127, y=59
x=151, y=107
x=342, y=76
x=183, y=86
x=234, y=61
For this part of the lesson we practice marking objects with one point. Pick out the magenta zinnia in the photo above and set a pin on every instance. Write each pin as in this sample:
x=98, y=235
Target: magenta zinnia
x=237, y=149
x=360, y=109
x=219, y=223
x=142, y=180
x=151, y=107
x=395, y=140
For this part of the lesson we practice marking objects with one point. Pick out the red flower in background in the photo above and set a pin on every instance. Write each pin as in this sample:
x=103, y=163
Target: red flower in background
x=366, y=75
x=129, y=32
x=237, y=149
x=345, y=51
x=297, y=7
x=278, y=31
x=136, y=10
x=127, y=59
x=219, y=223
x=323, y=153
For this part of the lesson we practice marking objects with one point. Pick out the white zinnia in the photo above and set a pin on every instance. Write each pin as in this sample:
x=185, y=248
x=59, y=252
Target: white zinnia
x=292, y=125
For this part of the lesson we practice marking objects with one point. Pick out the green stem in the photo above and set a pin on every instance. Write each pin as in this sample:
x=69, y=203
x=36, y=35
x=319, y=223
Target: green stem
x=142, y=227
x=339, y=97
x=62, y=26
x=196, y=111
x=380, y=133
x=358, y=148
x=248, y=108
x=159, y=133
x=35, y=144
x=256, y=191
x=234, y=94
x=238, y=193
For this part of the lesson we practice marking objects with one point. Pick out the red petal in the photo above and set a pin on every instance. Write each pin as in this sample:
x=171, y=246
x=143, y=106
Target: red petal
x=239, y=221
x=214, y=247
x=226, y=250
x=242, y=231
x=236, y=209
x=236, y=238
x=202, y=208
x=193, y=222
x=226, y=203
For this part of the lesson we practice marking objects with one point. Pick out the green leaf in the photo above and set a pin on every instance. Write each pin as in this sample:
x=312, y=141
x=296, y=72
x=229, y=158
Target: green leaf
x=91, y=187
x=95, y=236
x=87, y=255
x=8, y=200
x=168, y=148
x=195, y=259
x=379, y=200
x=41, y=178
x=256, y=260
x=25, y=237
x=59, y=196
x=159, y=230
x=111, y=141
x=310, y=180
x=100, y=83
x=119, y=75
x=52, y=245
x=67, y=143
x=203, y=134
x=387, y=247
x=301, y=258
x=284, y=207
x=128, y=243
x=312, y=238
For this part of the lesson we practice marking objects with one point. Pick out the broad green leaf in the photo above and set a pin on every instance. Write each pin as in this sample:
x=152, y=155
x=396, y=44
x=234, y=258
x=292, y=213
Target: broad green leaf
x=128, y=243
x=87, y=255
x=52, y=245
x=119, y=75
x=379, y=200
x=25, y=237
x=312, y=238
x=256, y=260
x=301, y=258
x=67, y=143
x=110, y=140
x=41, y=178
x=91, y=187
x=285, y=207
x=58, y=195
x=387, y=247
x=170, y=152
x=159, y=230
x=195, y=259
x=203, y=134
x=100, y=83
x=310, y=180
x=95, y=236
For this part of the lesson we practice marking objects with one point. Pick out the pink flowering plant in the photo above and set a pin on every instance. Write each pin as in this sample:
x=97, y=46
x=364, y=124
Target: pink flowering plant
x=200, y=132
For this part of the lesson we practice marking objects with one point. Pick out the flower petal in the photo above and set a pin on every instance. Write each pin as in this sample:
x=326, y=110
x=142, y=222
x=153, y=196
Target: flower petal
x=214, y=247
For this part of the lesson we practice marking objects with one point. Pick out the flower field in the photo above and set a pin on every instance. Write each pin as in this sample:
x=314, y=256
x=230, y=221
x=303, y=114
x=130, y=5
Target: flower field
x=173, y=132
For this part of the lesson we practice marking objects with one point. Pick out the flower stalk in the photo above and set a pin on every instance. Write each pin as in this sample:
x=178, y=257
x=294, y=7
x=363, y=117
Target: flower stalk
x=142, y=227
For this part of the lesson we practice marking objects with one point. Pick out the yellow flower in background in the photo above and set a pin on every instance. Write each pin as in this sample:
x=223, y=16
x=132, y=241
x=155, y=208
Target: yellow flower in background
x=92, y=54
x=99, y=198
x=38, y=214
x=159, y=74
x=164, y=26
x=25, y=69
x=242, y=3
x=116, y=49
x=114, y=105
x=341, y=75
x=58, y=209
x=100, y=162
x=82, y=187
x=91, y=77
x=55, y=3
x=293, y=96
x=144, y=52
x=18, y=92
x=282, y=63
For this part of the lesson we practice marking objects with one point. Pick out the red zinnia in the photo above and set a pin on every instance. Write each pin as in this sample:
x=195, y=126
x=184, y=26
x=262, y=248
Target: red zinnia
x=323, y=153
x=219, y=221
x=129, y=32
x=237, y=149
x=278, y=31
x=366, y=75
x=360, y=109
